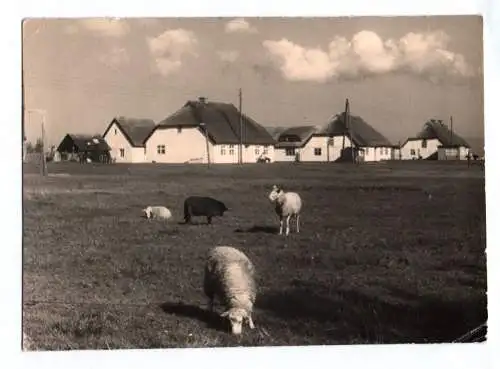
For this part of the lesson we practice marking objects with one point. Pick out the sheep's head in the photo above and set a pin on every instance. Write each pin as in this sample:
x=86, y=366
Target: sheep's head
x=236, y=317
x=147, y=211
x=275, y=193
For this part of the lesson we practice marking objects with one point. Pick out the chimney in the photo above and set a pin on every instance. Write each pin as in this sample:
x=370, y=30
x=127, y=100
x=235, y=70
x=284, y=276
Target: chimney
x=202, y=99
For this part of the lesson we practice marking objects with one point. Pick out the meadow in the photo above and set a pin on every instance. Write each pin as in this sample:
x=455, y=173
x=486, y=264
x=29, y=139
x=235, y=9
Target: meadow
x=388, y=253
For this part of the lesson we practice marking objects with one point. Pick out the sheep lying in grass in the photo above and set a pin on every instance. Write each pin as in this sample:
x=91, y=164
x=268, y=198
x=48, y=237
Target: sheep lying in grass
x=157, y=212
x=287, y=204
x=230, y=276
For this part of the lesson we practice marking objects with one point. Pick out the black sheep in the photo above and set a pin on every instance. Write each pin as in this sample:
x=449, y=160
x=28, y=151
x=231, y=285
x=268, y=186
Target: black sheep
x=203, y=206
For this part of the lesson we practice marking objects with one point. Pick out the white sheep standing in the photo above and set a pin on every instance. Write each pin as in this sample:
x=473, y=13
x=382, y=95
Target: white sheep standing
x=157, y=212
x=287, y=204
x=230, y=277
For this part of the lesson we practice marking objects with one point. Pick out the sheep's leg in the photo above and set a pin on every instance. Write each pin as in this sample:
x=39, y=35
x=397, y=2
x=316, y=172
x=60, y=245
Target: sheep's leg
x=281, y=225
x=250, y=322
x=298, y=227
x=288, y=224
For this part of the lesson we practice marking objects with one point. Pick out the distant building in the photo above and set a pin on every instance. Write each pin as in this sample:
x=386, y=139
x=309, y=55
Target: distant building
x=435, y=141
x=126, y=137
x=79, y=147
x=334, y=142
x=198, y=126
x=291, y=142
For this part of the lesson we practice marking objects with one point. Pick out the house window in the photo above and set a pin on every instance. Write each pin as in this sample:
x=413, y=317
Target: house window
x=367, y=151
x=381, y=151
x=266, y=150
x=317, y=151
x=160, y=149
x=179, y=129
x=115, y=131
x=412, y=152
x=386, y=151
x=424, y=144
x=257, y=150
x=223, y=150
x=144, y=151
x=290, y=152
x=330, y=141
x=122, y=153
x=231, y=149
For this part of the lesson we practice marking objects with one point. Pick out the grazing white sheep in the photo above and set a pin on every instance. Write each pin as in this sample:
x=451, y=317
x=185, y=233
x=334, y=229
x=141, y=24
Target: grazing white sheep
x=160, y=212
x=230, y=276
x=287, y=204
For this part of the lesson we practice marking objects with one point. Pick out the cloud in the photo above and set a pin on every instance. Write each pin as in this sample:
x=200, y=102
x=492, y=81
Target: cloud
x=229, y=56
x=110, y=27
x=239, y=25
x=115, y=57
x=423, y=54
x=169, y=48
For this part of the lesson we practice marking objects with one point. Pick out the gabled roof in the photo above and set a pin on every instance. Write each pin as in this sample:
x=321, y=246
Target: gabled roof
x=295, y=136
x=222, y=122
x=135, y=130
x=437, y=129
x=83, y=143
x=275, y=131
x=363, y=134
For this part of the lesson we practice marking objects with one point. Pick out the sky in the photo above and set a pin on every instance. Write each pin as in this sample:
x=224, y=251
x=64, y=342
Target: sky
x=397, y=72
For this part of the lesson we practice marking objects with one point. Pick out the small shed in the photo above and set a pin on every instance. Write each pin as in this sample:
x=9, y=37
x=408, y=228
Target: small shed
x=452, y=152
x=78, y=147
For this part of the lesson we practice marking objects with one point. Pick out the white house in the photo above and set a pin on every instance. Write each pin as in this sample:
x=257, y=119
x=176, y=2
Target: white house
x=435, y=141
x=126, y=138
x=290, y=143
x=332, y=142
x=202, y=131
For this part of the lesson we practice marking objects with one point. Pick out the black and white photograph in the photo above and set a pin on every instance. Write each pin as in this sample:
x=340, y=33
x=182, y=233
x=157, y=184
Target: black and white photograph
x=204, y=182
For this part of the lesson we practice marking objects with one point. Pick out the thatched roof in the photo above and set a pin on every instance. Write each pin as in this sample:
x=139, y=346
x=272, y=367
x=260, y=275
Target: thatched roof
x=135, y=130
x=437, y=129
x=275, y=131
x=222, y=122
x=82, y=142
x=295, y=136
x=363, y=134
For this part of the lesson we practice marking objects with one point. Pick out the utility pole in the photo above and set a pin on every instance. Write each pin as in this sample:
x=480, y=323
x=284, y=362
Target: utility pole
x=347, y=123
x=240, y=157
x=44, y=162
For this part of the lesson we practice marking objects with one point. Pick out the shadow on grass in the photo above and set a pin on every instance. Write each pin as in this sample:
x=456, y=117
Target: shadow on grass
x=258, y=229
x=348, y=317
x=211, y=319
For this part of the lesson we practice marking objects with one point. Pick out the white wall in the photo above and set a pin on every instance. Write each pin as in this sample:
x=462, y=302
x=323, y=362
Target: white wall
x=280, y=155
x=377, y=153
x=316, y=150
x=189, y=145
x=117, y=140
x=186, y=144
x=416, y=146
x=451, y=153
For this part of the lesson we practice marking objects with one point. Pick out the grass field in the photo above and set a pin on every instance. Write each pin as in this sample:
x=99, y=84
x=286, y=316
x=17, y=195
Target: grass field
x=388, y=253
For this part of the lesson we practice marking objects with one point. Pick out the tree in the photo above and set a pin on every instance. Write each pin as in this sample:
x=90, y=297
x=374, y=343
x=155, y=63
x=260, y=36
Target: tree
x=29, y=147
x=39, y=145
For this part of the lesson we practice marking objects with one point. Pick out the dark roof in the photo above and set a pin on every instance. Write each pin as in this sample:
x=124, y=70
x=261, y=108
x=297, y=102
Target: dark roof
x=295, y=136
x=437, y=129
x=363, y=134
x=222, y=123
x=83, y=142
x=136, y=130
x=275, y=131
